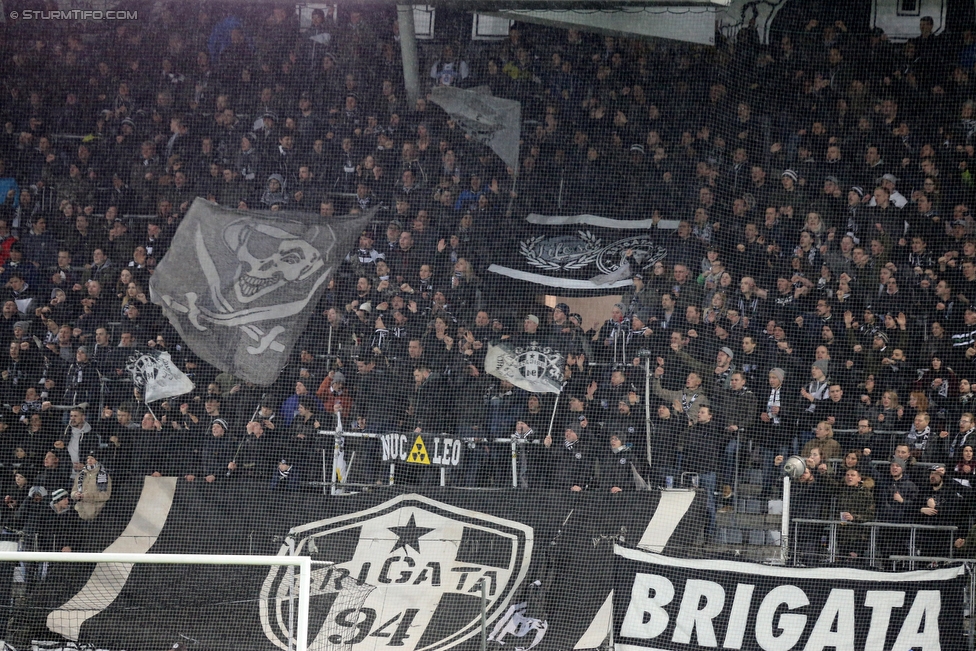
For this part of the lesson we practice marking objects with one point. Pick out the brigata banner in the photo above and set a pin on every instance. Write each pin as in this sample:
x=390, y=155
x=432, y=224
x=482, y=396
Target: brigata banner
x=662, y=602
x=400, y=568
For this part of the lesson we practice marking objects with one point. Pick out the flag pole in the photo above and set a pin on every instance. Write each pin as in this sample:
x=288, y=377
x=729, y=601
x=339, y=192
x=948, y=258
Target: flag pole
x=511, y=193
x=244, y=438
x=647, y=407
x=554, y=406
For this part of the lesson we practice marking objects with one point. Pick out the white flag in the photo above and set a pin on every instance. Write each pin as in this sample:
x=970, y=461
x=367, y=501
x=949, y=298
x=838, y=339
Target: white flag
x=339, y=468
x=535, y=367
x=157, y=376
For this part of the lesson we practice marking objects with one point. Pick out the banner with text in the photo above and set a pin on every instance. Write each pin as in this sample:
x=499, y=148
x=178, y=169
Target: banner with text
x=405, y=569
x=676, y=604
x=437, y=451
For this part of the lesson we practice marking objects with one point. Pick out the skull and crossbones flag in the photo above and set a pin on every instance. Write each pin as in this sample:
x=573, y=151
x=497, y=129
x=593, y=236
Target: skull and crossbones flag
x=239, y=286
x=155, y=374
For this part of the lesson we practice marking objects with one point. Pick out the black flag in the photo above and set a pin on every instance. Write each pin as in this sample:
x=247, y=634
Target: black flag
x=583, y=255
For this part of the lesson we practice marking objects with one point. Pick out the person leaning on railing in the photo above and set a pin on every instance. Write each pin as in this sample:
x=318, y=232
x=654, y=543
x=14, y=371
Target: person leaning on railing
x=966, y=546
x=855, y=502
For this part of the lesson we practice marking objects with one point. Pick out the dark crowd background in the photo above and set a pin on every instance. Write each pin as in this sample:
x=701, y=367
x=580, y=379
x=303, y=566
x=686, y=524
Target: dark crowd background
x=817, y=297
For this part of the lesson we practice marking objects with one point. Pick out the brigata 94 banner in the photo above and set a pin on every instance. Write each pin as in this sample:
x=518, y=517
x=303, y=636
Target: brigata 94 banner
x=668, y=603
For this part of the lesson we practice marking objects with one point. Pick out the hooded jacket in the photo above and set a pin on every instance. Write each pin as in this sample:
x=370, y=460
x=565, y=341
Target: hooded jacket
x=270, y=198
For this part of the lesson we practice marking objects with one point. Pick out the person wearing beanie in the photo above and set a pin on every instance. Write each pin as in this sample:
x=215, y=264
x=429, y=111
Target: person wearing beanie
x=790, y=198
x=530, y=329
x=216, y=457
x=284, y=477
x=64, y=531
x=22, y=330
x=940, y=504
x=639, y=339
x=619, y=464
x=715, y=376
x=92, y=488
x=642, y=296
x=856, y=218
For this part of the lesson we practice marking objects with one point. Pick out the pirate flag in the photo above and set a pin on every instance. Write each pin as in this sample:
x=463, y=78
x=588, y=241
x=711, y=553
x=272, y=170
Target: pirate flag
x=155, y=374
x=239, y=285
x=535, y=367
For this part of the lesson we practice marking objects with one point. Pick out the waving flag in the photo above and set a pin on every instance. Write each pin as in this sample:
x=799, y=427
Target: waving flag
x=157, y=376
x=493, y=121
x=535, y=367
x=239, y=286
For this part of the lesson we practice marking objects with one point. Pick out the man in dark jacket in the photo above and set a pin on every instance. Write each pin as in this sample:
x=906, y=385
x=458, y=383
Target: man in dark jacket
x=896, y=497
x=572, y=463
x=64, y=531
x=942, y=503
x=217, y=456
x=429, y=410
x=255, y=456
x=618, y=465
x=736, y=407
x=856, y=505
x=702, y=451
x=158, y=452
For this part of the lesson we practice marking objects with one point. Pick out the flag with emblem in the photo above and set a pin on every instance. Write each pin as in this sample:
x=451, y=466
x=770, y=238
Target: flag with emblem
x=393, y=568
x=535, y=366
x=155, y=374
x=578, y=255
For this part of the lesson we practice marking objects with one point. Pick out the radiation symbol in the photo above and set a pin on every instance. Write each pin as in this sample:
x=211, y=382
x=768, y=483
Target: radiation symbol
x=418, y=453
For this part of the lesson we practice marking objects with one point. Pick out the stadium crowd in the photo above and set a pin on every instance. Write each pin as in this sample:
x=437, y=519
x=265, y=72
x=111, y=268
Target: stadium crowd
x=818, y=296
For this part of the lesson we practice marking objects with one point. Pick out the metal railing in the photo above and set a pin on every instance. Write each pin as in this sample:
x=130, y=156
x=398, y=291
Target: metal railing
x=331, y=481
x=872, y=537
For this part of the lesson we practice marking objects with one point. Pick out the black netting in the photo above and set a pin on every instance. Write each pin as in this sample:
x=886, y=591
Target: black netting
x=584, y=291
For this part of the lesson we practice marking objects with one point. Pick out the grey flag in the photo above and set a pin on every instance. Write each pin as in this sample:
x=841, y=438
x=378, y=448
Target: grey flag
x=492, y=121
x=239, y=286
x=535, y=367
